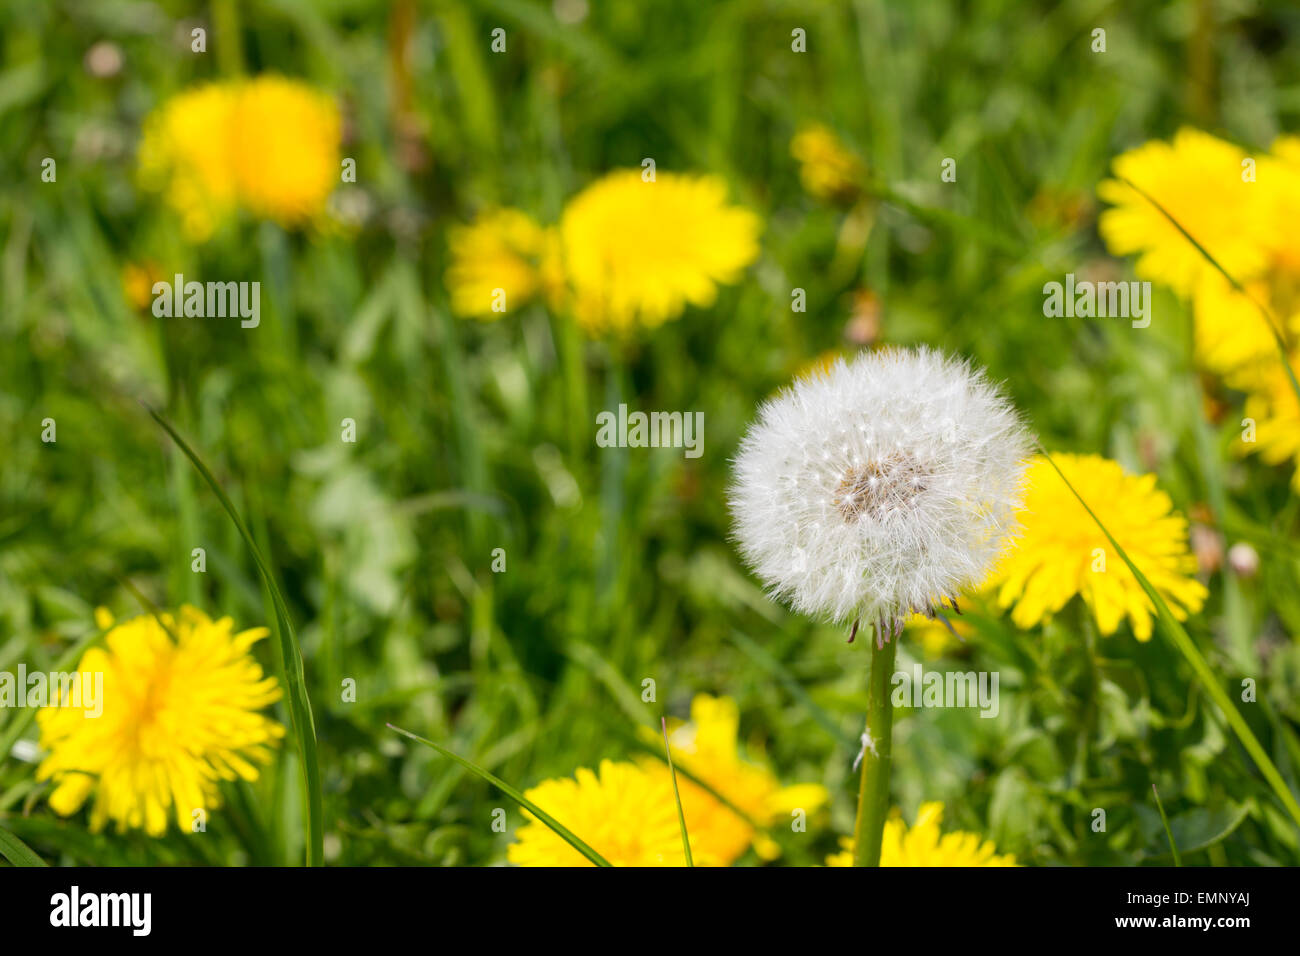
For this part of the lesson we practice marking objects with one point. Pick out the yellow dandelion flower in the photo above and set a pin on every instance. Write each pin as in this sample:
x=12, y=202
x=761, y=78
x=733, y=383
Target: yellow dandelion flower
x=637, y=253
x=285, y=149
x=1275, y=411
x=178, y=716
x=624, y=813
x=708, y=747
x=1278, y=179
x=185, y=154
x=827, y=168
x=1198, y=180
x=505, y=250
x=1232, y=337
x=270, y=145
x=925, y=845
x=1061, y=551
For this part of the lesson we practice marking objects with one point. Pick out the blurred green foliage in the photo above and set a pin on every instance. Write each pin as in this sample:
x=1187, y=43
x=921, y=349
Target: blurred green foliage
x=479, y=436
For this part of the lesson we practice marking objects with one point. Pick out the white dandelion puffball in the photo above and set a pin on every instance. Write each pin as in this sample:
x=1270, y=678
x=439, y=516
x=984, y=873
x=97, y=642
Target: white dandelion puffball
x=880, y=487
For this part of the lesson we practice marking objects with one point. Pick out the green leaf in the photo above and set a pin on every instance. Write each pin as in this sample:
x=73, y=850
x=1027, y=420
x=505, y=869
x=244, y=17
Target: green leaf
x=1201, y=828
x=290, y=653
x=17, y=852
x=560, y=829
x=1187, y=647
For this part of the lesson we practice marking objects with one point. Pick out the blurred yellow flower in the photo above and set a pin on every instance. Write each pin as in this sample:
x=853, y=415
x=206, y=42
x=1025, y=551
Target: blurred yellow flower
x=1273, y=408
x=137, y=282
x=827, y=168
x=637, y=253
x=708, y=747
x=925, y=845
x=505, y=250
x=1232, y=336
x=269, y=145
x=178, y=716
x=1061, y=552
x=624, y=813
x=821, y=365
x=185, y=154
x=1278, y=176
x=934, y=637
x=1198, y=180
x=285, y=147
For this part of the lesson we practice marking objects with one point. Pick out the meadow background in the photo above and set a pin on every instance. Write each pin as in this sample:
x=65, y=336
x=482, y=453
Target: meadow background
x=475, y=435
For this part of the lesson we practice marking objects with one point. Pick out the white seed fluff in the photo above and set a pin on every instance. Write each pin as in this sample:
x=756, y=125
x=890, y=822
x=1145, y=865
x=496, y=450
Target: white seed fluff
x=879, y=487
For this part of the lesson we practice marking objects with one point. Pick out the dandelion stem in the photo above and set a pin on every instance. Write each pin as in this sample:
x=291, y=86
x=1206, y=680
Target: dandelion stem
x=873, y=792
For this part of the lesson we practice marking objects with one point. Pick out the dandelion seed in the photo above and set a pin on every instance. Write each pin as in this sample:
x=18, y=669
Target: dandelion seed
x=867, y=744
x=897, y=478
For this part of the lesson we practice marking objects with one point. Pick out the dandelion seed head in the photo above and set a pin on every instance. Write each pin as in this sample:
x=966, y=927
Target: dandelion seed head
x=879, y=487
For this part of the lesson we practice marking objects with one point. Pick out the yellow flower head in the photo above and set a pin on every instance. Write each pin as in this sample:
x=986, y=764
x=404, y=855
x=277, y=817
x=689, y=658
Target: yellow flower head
x=1278, y=177
x=624, y=813
x=1273, y=406
x=637, y=253
x=269, y=145
x=708, y=747
x=1061, y=551
x=826, y=167
x=504, y=250
x=1232, y=336
x=178, y=716
x=285, y=148
x=1198, y=180
x=925, y=845
x=185, y=154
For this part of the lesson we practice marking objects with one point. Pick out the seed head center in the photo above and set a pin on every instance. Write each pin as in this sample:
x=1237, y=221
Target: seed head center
x=884, y=484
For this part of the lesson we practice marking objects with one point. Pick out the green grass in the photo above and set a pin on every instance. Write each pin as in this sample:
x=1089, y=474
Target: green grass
x=372, y=562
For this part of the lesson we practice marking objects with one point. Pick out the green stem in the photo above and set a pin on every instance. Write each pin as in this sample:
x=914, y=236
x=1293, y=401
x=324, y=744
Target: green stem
x=873, y=792
x=227, y=38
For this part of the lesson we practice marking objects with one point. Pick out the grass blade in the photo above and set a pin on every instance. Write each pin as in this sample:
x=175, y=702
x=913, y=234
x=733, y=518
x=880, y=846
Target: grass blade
x=1168, y=832
x=1187, y=647
x=304, y=726
x=681, y=817
x=17, y=852
x=559, y=828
